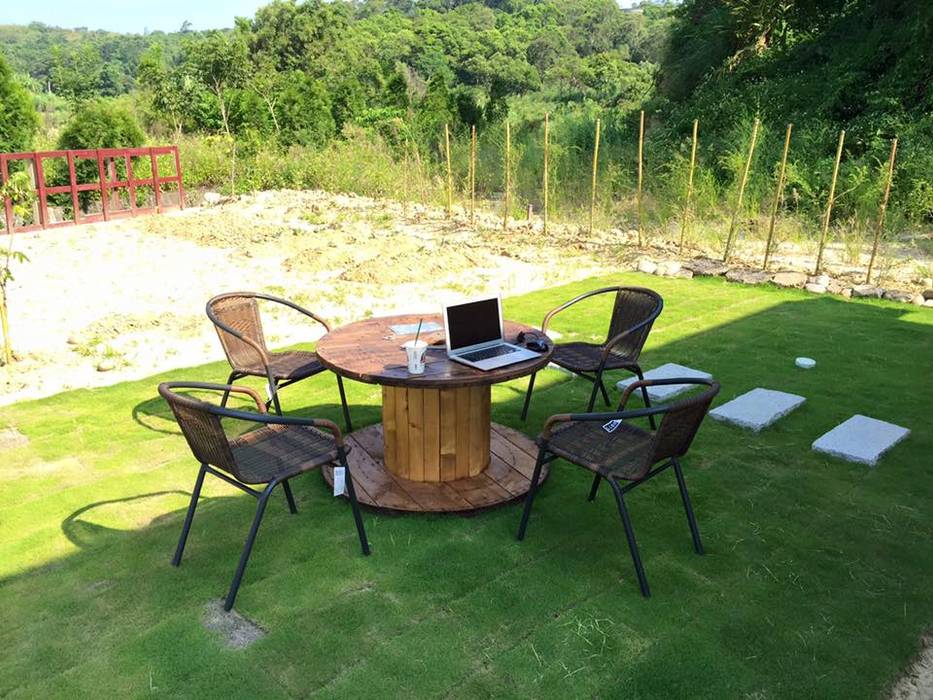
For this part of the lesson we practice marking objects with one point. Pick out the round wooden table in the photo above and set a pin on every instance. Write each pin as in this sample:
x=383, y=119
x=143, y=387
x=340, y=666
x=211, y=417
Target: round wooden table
x=436, y=449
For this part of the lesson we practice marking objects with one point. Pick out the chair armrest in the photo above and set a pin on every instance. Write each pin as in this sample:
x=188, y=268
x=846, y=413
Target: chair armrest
x=553, y=312
x=601, y=417
x=296, y=307
x=618, y=337
x=263, y=355
x=274, y=419
x=634, y=386
x=211, y=386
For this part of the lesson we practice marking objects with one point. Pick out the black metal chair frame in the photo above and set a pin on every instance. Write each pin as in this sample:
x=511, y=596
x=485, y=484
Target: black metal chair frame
x=544, y=457
x=597, y=377
x=263, y=495
x=274, y=384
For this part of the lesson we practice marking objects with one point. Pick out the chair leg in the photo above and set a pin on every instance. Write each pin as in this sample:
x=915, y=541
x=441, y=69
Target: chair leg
x=594, y=488
x=630, y=536
x=531, y=386
x=355, y=506
x=691, y=519
x=248, y=547
x=530, y=497
x=274, y=390
x=189, y=516
x=597, y=382
x=602, y=388
x=343, y=402
x=289, y=497
x=644, y=394
x=232, y=378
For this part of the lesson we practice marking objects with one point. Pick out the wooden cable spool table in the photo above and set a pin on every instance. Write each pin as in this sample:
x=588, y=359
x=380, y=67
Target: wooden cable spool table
x=436, y=449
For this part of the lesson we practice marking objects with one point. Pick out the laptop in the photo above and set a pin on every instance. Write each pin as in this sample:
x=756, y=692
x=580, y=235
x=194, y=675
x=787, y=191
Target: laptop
x=475, y=335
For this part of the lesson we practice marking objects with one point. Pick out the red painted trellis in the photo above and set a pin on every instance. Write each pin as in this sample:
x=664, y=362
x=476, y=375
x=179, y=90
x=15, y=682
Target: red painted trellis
x=106, y=184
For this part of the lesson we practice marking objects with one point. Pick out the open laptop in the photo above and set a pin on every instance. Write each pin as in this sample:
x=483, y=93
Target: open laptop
x=475, y=335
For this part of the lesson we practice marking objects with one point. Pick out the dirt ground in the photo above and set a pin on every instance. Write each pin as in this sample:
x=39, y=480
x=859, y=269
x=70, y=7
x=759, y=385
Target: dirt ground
x=102, y=303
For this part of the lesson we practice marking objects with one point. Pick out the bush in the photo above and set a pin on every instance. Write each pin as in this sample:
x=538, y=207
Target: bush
x=18, y=119
x=101, y=124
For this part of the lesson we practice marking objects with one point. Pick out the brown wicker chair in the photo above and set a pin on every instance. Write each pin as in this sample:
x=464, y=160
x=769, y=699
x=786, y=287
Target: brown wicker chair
x=627, y=453
x=236, y=317
x=633, y=314
x=280, y=449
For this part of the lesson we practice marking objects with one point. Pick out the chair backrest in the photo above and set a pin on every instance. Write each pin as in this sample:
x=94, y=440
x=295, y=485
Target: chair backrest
x=681, y=422
x=240, y=312
x=633, y=306
x=201, y=429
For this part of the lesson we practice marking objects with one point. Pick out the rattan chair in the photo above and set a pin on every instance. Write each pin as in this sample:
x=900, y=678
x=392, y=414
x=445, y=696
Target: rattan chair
x=236, y=317
x=279, y=450
x=627, y=452
x=633, y=314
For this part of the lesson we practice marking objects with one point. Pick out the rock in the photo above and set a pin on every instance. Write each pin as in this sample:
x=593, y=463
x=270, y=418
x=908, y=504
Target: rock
x=867, y=291
x=668, y=268
x=822, y=280
x=11, y=437
x=106, y=366
x=647, y=266
x=898, y=295
x=73, y=340
x=705, y=266
x=632, y=233
x=685, y=274
x=213, y=198
x=748, y=276
x=814, y=288
x=847, y=293
x=790, y=279
x=928, y=303
x=917, y=300
x=928, y=282
x=927, y=294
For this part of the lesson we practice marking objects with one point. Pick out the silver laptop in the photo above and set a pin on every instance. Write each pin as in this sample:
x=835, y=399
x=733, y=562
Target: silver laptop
x=475, y=335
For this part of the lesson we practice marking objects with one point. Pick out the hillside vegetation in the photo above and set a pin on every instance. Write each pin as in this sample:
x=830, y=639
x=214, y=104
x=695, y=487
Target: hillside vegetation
x=358, y=95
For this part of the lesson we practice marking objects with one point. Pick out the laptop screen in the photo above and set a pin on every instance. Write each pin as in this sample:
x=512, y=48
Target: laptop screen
x=473, y=323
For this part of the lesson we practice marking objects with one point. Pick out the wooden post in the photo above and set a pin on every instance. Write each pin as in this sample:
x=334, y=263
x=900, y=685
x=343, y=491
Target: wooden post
x=693, y=160
x=829, y=203
x=884, y=208
x=742, y=183
x=508, y=176
x=778, y=192
x=641, y=149
x=450, y=182
x=547, y=157
x=595, y=168
x=473, y=175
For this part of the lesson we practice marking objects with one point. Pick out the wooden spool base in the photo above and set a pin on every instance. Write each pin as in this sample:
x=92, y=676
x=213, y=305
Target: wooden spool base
x=511, y=464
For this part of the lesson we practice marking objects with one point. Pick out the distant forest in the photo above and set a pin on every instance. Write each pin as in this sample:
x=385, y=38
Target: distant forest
x=300, y=74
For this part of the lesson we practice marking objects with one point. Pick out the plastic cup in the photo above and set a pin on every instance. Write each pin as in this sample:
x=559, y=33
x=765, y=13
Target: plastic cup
x=415, y=350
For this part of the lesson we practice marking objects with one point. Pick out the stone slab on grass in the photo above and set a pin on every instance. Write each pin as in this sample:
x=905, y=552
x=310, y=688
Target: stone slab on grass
x=860, y=439
x=757, y=409
x=668, y=371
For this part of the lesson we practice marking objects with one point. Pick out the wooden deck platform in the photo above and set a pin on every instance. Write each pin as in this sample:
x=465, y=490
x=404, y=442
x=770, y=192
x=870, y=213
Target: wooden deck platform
x=508, y=477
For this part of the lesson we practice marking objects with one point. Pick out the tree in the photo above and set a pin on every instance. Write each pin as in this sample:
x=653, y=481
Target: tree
x=220, y=62
x=18, y=119
x=77, y=72
x=170, y=88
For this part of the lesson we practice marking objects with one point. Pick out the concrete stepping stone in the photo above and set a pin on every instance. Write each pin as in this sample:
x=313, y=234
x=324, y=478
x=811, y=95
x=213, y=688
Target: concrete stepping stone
x=860, y=439
x=757, y=409
x=668, y=371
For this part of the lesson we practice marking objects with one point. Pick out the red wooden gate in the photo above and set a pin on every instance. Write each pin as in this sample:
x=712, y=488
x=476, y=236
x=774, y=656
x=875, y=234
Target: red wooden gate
x=106, y=184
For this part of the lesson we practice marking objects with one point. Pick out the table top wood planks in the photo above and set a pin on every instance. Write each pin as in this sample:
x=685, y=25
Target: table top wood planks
x=436, y=449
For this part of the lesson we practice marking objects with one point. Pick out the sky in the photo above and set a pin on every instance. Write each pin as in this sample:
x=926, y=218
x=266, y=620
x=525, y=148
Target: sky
x=136, y=17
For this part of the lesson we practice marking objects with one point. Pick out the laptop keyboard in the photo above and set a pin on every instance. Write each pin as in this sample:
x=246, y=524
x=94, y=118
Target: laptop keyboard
x=487, y=353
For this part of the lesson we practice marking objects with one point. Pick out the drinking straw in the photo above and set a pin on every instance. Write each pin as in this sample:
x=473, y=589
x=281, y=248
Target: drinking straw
x=418, y=332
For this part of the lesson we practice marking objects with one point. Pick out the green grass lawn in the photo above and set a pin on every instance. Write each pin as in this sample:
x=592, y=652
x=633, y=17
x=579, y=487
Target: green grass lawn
x=816, y=581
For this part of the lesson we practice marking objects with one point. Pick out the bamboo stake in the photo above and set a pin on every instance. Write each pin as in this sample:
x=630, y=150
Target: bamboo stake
x=693, y=160
x=641, y=148
x=829, y=203
x=420, y=166
x=738, y=201
x=450, y=182
x=406, y=186
x=884, y=208
x=473, y=174
x=778, y=196
x=547, y=154
x=508, y=176
x=595, y=167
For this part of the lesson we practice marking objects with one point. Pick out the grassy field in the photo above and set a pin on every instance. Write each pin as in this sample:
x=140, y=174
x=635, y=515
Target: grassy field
x=815, y=582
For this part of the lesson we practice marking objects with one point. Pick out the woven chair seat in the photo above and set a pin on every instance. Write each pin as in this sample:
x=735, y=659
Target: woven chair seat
x=626, y=453
x=276, y=451
x=287, y=366
x=586, y=357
